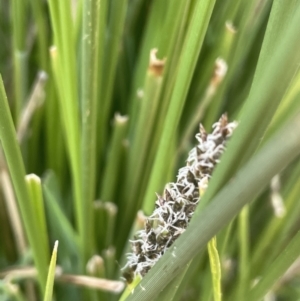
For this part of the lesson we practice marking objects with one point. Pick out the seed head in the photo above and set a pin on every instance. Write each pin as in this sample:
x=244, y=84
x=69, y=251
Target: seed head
x=175, y=207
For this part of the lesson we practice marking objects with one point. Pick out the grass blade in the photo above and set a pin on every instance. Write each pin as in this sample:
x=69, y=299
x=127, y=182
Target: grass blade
x=51, y=274
x=215, y=268
x=17, y=172
x=186, y=67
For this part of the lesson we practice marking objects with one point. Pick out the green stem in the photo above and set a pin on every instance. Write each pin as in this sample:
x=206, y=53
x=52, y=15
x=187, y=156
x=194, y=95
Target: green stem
x=111, y=172
x=215, y=268
x=41, y=22
x=187, y=63
x=244, y=272
x=66, y=78
x=89, y=94
x=142, y=141
x=113, y=43
x=17, y=171
x=51, y=274
x=19, y=20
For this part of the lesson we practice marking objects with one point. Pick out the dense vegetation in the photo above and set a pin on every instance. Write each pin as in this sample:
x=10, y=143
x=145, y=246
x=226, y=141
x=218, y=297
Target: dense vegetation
x=99, y=105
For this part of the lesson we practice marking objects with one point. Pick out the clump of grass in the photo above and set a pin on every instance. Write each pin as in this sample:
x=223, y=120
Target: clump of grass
x=90, y=129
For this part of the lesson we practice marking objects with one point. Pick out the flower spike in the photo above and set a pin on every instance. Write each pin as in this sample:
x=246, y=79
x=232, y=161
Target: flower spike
x=175, y=208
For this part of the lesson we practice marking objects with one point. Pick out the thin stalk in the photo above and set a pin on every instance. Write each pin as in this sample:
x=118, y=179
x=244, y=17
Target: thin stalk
x=136, y=173
x=114, y=157
x=66, y=79
x=175, y=43
x=36, y=99
x=114, y=34
x=100, y=225
x=225, y=52
x=150, y=39
x=78, y=15
x=179, y=20
x=55, y=143
x=105, y=220
x=13, y=211
x=42, y=33
x=110, y=261
x=102, y=23
x=51, y=274
x=89, y=94
x=64, y=232
x=191, y=49
x=33, y=183
x=111, y=212
x=142, y=140
x=112, y=286
x=252, y=16
x=17, y=171
x=96, y=268
x=20, y=81
x=220, y=69
x=244, y=269
x=169, y=45
x=19, y=18
x=215, y=268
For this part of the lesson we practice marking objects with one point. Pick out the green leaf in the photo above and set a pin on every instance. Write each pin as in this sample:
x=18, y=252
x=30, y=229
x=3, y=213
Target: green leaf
x=51, y=274
x=215, y=268
x=17, y=172
x=186, y=66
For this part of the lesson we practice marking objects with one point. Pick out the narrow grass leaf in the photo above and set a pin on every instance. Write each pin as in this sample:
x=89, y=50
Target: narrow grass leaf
x=37, y=203
x=66, y=78
x=51, y=274
x=17, y=172
x=89, y=93
x=187, y=63
x=114, y=157
x=215, y=268
x=63, y=230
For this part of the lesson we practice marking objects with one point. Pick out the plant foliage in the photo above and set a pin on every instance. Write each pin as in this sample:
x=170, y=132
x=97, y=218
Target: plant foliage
x=99, y=105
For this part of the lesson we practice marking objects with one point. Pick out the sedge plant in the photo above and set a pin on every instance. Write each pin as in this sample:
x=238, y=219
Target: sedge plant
x=100, y=102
